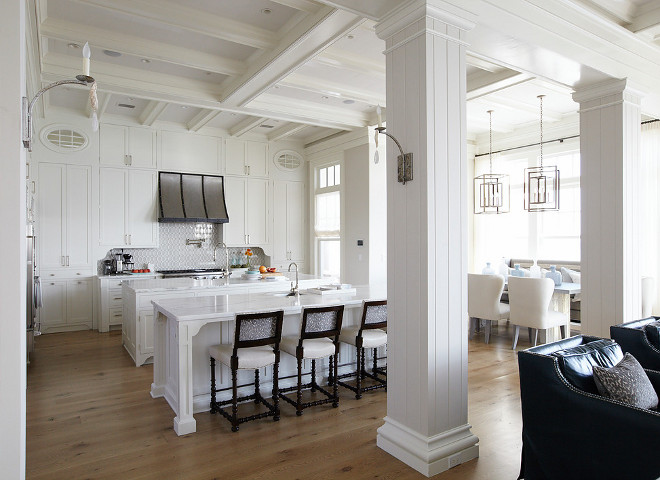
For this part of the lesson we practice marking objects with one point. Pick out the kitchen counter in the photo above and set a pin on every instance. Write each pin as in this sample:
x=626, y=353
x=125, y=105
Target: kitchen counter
x=146, y=285
x=184, y=328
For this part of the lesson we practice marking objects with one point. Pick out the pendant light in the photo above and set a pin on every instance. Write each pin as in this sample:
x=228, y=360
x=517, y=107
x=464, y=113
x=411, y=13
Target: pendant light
x=542, y=182
x=491, y=190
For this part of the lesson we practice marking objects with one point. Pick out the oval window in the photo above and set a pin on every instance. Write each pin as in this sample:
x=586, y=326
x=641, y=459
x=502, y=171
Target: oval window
x=288, y=160
x=63, y=139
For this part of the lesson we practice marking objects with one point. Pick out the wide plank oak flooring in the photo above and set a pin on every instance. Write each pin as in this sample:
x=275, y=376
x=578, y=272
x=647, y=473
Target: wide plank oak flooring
x=90, y=416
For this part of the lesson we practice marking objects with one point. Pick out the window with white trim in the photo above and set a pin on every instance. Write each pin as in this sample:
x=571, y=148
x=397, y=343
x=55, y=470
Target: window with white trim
x=327, y=218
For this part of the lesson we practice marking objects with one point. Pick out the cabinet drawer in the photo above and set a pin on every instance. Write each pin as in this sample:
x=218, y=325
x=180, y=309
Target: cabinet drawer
x=114, y=284
x=115, y=299
x=115, y=316
x=64, y=274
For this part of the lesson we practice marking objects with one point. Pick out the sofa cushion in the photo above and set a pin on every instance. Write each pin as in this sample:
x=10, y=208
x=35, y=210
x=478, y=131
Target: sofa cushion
x=653, y=333
x=577, y=363
x=626, y=382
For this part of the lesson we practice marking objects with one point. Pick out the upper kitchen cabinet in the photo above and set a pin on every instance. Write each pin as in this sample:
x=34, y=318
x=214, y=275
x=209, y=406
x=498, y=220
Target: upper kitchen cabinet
x=122, y=146
x=188, y=152
x=288, y=221
x=128, y=213
x=249, y=211
x=246, y=158
x=64, y=214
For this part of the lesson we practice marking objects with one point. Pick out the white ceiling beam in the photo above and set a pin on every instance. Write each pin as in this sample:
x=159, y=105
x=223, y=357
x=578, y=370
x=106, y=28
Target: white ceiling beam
x=285, y=131
x=140, y=47
x=302, y=43
x=497, y=102
x=479, y=85
x=320, y=135
x=481, y=123
x=151, y=112
x=201, y=119
x=325, y=87
x=646, y=16
x=244, y=126
x=179, y=16
x=342, y=59
x=302, y=5
x=483, y=64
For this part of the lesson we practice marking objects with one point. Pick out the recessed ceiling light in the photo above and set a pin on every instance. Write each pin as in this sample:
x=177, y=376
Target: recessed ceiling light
x=184, y=106
x=266, y=11
x=325, y=97
x=112, y=53
x=145, y=60
x=350, y=36
x=349, y=102
x=208, y=73
x=73, y=45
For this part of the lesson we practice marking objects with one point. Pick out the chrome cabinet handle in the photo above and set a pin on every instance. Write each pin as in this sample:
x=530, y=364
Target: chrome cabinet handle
x=116, y=298
x=126, y=160
x=130, y=239
x=67, y=260
x=117, y=315
x=62, y=261
x=130, y=159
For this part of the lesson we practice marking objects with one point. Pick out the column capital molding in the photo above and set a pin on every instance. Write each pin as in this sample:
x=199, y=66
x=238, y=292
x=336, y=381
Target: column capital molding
x=595, y=91
x=416, y=10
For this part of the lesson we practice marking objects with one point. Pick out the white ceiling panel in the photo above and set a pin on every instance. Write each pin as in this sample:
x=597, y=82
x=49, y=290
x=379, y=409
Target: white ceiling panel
x=252, y=12
x=180, y=114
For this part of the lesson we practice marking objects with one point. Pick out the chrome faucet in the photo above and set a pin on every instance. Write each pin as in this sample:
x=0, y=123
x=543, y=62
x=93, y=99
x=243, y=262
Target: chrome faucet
x=215, y=251
x=294, y=290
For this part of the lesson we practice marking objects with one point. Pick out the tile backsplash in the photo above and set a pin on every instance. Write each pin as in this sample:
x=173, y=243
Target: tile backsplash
x=174, y=254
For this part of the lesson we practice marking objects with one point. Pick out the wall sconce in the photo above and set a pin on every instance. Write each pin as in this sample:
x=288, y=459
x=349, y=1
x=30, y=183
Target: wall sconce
x=83, y=79
x=405, y=160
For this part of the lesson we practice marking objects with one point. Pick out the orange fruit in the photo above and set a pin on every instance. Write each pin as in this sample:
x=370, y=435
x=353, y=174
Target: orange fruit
x=262, y=269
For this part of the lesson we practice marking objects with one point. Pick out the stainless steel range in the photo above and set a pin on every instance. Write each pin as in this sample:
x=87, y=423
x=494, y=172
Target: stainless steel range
x=195, y=273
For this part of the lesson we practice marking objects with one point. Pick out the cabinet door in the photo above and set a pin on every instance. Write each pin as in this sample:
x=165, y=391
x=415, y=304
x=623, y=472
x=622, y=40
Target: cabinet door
x=112, y=145
x=256, y=154
x=142, y=217
x=280, y=247
x=235, y=157
x=295, y=199
x=141, y=147
x=79, y=302
x=234, y=231
x=54, y=299
x=78, y=216
x=51, y=214
x=112, y=218
x=146, y=334
x=258, y=207
x=189, y=152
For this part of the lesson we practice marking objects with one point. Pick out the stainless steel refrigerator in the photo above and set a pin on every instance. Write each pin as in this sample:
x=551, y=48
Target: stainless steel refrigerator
x=33, y=292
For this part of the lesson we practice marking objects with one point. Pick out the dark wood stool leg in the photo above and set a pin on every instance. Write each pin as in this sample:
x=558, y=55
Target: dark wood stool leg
x=299, y=391
x=358, y=376
x=331, y=373
x=363, y=365
x=213, y=410
x=276, y=387
x=234, y=402
x=257, y=393
x=375, y=369
x=335, y=392
x=313, y=375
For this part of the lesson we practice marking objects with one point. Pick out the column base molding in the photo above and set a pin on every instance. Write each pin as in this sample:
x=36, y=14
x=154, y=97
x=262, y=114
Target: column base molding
x=428, y=455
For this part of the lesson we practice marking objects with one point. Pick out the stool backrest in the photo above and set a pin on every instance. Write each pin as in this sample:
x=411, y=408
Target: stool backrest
x=374, y=315
x=257, y=329
x=320, y=322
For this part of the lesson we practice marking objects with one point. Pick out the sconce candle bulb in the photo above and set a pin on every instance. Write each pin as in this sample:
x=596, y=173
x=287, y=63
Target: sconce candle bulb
x=86, y=56
x=380, y=118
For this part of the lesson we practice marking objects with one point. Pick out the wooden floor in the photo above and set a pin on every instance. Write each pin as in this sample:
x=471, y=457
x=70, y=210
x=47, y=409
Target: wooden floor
x=90, y=416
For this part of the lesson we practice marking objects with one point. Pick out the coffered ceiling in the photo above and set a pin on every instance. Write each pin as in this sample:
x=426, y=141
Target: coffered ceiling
x=304, y=70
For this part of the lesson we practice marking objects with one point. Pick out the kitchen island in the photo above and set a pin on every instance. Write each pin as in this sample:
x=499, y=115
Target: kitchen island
x=185, y=327
x=138, y=313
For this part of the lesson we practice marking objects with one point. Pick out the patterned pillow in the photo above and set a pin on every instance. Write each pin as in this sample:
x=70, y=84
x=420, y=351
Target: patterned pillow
x=653, y=333
x=626, y=382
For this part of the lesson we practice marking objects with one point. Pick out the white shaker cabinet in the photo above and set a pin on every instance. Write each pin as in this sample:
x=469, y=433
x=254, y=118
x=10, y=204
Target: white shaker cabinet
x=248, y=207
x=128, y=207
x=288, y=221
x=64, y=214
x=67, y=305
x=246, y=158
x=127, y=146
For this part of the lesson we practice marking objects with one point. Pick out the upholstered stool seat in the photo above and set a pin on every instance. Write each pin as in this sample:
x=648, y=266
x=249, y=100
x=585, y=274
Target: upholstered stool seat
x=248, y=358
x=319, y=338
x=256, y=345
x=312, y=347
x=371, y=333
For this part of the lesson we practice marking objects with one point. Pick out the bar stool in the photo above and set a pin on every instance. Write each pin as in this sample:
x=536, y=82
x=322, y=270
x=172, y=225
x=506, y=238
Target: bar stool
x=370, y=334
x=319, y=338
x=256, y=345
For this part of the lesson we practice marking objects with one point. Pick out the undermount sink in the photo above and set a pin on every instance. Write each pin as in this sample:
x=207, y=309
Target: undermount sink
x=286, y=294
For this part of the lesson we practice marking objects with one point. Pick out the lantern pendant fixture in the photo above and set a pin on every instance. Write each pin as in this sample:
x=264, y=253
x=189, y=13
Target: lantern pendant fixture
x=491, y=190
x=542, y=182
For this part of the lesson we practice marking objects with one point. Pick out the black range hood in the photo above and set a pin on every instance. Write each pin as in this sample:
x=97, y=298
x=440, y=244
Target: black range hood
x=185, y=197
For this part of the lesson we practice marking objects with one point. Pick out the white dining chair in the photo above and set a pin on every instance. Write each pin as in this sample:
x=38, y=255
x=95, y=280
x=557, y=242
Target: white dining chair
x=484, y=293
x=529, y=300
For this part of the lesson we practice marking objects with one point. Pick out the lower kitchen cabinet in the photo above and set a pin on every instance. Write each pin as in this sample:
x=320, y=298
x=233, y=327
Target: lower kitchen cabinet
x=67, y=305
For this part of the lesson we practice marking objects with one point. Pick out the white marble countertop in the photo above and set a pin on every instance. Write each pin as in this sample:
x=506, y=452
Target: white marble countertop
x=226, y=306
x=166, y=284
x=132, y=276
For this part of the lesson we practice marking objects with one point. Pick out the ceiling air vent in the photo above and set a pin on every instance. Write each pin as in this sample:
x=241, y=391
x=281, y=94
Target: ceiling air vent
x=265, y=125
x=288, y=160
x=63, y=139
x=125, y=105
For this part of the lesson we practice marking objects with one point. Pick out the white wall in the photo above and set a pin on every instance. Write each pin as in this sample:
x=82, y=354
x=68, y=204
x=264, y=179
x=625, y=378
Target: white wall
x=377, y=213
x=12, y=242
x=356, y=216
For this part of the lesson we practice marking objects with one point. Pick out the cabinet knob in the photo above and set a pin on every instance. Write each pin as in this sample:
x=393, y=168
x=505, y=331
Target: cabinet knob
x=52, y=274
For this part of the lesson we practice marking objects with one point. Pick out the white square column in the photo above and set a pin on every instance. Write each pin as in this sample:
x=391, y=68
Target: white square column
x=610, y=183
x=426, y=424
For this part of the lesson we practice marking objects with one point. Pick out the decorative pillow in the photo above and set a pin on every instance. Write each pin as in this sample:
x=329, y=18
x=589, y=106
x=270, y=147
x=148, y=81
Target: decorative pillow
x=653, y=333
x=626, y=382
x=565, y=276
x=573, y=275
x=577, y=363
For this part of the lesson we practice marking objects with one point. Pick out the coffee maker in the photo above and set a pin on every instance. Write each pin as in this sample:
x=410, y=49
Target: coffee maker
x=108, y=267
